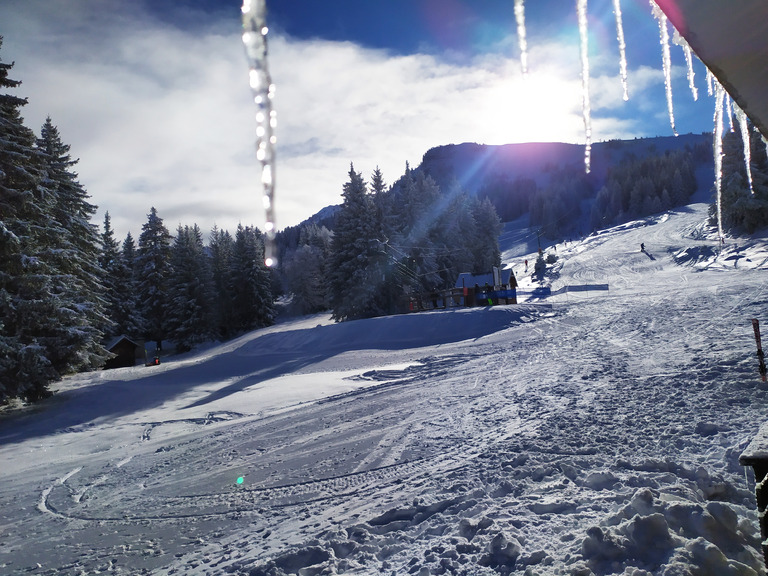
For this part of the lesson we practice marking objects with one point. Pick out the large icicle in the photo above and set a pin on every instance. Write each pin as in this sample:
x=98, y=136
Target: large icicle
x=666, y=60
x=710, y=79
x=717, y=146
x=680, y=41
x=744, y=126
x=729, y=111
x=581, y=8
x=255, y=40
x=622, y=48
x=521, y=40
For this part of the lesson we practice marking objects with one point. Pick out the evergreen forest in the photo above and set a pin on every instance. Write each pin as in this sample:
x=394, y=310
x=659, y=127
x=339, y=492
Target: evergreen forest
x=67, y=289
x=388, y=243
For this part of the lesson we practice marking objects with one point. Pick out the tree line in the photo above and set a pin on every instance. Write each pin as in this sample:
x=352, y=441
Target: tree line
x=177, y=288
x=634, y=188
x=743, y=210
x=66, y=288
x=388, y=243
x=50, y=305
x=639, y=187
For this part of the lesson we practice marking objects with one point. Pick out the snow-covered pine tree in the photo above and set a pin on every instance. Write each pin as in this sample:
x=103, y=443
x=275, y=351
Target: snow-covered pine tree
x=305, y=270
x=353, y=279
x=25, y=306
x=251, y=288
x=126, y=315
x=388, y=287
x=453, y=238
x=73, y=252
x=486, y=238
x=220, y=249
x=109, y=261
x=153, y=271
x=426, y=205
x=190, y=315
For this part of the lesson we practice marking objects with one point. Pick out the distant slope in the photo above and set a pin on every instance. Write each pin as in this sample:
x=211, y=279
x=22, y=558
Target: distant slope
x=472, y=164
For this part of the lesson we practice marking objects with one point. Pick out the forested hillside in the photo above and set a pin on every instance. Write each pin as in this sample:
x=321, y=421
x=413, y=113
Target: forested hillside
x=389, y=242
x=547, y=182
x=67, y=289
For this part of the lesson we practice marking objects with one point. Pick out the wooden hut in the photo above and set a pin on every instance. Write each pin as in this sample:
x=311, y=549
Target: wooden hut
x=125, y=351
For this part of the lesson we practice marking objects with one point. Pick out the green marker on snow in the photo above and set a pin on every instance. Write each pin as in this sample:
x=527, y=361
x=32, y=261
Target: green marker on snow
x=240, y=480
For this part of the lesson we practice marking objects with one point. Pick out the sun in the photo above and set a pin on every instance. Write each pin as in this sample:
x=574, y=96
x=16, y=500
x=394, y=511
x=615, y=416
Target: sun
x=537, y=107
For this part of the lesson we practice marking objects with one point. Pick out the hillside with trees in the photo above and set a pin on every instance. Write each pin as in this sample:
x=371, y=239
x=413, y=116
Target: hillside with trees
x=743, y=210
x=388, y=243
x=67, y=289
x=546, y=183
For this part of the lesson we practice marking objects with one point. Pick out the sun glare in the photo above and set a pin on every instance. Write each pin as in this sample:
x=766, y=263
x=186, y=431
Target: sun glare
x=540, y=107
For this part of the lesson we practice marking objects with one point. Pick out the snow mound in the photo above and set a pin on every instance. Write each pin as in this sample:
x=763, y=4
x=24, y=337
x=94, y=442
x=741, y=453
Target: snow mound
x=674, y=537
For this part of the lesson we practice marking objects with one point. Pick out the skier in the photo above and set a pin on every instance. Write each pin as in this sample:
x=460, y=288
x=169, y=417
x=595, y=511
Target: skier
x=642, y=247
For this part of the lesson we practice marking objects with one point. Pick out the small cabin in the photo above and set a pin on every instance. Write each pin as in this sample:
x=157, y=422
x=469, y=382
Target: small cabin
x=125, y=351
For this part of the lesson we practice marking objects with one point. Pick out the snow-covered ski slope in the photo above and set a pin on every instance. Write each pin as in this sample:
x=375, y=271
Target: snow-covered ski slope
x=594, y=432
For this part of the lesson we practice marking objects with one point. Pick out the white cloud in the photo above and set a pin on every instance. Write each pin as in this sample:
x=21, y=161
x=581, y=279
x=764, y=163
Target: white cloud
x=163, y=117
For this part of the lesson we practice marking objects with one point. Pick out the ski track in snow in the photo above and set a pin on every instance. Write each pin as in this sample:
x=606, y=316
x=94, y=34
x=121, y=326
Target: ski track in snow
x=591, y=432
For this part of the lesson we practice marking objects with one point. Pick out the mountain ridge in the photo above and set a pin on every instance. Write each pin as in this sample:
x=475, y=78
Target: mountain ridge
x=472, y=164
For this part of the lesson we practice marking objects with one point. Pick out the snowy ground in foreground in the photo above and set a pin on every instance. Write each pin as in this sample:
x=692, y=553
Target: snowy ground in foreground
x=592, y=432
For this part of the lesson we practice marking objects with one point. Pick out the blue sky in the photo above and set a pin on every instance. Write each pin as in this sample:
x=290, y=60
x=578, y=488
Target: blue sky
x=153, y=95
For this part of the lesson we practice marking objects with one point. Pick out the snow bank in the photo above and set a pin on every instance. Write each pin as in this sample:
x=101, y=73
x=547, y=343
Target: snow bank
x=673, y=536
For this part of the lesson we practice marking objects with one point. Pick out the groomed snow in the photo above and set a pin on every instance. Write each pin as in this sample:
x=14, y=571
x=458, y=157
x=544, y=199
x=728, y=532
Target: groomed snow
x=592, y=432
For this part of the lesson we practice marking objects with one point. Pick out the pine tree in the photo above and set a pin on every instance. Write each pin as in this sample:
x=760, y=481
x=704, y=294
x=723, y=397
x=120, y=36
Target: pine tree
x=220, y=247
x=109, y=261
x=305, y=270
x=251, y=283
x=153, y=272
x=74, y=255
x=353, y=280
x=190, y=317
x=25, y=305
x=126, y=315
x=486, y=245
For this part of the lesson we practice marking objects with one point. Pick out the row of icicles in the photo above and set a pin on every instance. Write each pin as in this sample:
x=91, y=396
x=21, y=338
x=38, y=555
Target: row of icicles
x=723, y=103
x=255, y=40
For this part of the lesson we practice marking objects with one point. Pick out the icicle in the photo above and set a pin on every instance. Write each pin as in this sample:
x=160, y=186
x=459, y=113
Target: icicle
x=666, y=59
x=710, y=78
x=680, y=41
x=581, y=8
x=717, y=145
x=523, y=43
x=743, y=125
x=255, y=40
x=622, y=48
x=729, y=111
x=765, y=143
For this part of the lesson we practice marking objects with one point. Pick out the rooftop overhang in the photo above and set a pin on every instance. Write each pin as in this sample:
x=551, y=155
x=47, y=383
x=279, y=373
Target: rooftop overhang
x=731, y=39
